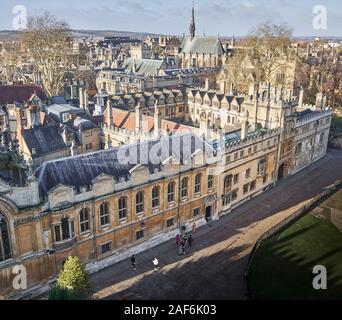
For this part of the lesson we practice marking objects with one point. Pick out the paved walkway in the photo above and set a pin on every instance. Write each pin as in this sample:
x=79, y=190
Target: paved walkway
x=214, y=267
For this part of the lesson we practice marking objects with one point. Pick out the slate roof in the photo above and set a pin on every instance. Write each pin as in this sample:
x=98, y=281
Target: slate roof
x=143, y=66
x=81, y=170
x=19, y=93
x=44, y=139
x=202, y=45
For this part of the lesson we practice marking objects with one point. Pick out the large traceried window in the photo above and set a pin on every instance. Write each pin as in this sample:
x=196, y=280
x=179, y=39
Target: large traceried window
x=5, y=247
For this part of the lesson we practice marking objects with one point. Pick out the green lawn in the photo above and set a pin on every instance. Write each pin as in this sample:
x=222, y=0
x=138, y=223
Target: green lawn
x=282, y=267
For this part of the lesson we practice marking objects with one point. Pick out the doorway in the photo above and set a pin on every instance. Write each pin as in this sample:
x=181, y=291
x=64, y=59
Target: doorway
x=281, y=171
x=208, y=212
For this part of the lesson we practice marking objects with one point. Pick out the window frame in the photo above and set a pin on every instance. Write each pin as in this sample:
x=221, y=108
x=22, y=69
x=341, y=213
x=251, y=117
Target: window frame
x=197, y=187
x=104, y=214
x=139, y=206
x=122, y=210
x=155, y=198
x=85, y=221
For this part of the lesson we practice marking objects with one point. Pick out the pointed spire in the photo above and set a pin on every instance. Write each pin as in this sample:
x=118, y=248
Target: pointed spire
x=192, y=28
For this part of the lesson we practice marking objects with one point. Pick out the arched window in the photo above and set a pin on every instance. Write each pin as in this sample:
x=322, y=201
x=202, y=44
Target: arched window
x=139, y=202
x=5, y=247
x=122, y=203
x=227, y=184
x=198, y=183
x=155, y=197
x=65, y=228
x=104, y=214
x=84, y=220
x=184, y=188
x=171, y=192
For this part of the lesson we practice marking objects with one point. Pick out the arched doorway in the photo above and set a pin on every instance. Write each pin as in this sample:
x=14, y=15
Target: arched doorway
x=282, y=171
x=5, y=246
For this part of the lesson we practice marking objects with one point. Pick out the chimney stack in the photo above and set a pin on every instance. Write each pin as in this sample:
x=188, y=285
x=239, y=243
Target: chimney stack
x=157, y=120
x=109, y=114
x=138, y=118
x=244, y=130
x=81, y=97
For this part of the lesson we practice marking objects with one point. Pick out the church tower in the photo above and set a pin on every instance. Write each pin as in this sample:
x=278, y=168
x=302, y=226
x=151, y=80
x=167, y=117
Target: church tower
x=192, y=28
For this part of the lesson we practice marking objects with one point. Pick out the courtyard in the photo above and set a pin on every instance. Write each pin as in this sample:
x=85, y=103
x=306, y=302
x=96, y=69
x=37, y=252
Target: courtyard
x=214, y=267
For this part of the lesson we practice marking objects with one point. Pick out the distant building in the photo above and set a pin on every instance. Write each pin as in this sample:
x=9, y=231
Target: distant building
x=199, y=52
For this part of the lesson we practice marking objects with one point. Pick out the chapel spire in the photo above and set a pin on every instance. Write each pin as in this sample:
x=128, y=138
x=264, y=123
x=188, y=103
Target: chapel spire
x=192, y=28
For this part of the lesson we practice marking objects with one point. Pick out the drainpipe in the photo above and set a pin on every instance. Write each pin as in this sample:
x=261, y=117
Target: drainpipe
x=94, y=228
x=179, y=197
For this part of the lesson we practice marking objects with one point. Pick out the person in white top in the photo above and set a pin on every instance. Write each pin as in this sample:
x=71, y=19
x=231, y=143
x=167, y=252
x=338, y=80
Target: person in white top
x=155, y=263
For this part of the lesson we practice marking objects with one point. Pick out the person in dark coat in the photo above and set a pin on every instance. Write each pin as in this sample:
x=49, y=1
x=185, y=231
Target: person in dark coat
x=133, y=262
x=190, y=240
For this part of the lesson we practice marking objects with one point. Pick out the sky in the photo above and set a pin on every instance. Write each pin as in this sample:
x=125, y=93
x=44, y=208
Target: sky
x=213, y=17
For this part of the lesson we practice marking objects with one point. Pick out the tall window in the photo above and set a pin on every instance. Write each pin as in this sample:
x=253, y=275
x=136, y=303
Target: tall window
x=65, y=229
x=171, y=192
x=262, y=167
x=210, y=181
x=236, y=178
x=57, y=233
x=184, y=188
x=155, y=197
x=122, y=208
x=139, y=202
x=5, y=248
x=84, y=219
x=104, y=214
x=227, y=183
x=198, y=183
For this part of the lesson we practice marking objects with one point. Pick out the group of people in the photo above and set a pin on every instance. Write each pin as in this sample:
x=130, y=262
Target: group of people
x=181, y=241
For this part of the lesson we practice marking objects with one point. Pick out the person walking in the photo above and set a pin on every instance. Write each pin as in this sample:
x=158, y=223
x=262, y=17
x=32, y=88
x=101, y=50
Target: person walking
x=183, y=246
x=177, y=239
x=133, y=261
x=155, y=263
x=190, y=240
x=193, y=228
x=180, y=250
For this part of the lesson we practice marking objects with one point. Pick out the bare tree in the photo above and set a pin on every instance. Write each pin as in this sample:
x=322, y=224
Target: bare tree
x=270, y=47
x=49, y=44
x=12, y=59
